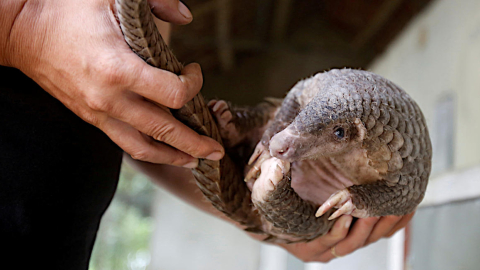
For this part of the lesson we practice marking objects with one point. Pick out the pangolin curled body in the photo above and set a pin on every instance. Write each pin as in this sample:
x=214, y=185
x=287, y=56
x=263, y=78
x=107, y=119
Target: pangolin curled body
x=349, y=133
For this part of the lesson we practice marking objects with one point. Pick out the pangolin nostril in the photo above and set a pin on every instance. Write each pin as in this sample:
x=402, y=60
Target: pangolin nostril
x=283, y=151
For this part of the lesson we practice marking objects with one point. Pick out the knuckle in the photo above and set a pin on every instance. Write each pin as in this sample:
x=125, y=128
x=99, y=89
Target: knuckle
x=98, y=103
x=92, y=119
x=140, y=155
x=111, y=73
x=87, y=114
x=112, y=77
x=175, y=161
x=162, y=132
x=180, y=98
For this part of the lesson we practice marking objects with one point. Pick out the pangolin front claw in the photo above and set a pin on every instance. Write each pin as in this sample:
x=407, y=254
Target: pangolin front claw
x=225, y=122
x=259, y=156
x=273, y=172
x=335, y=201
x=221, y=111
x=259, y=149
x=343, y=201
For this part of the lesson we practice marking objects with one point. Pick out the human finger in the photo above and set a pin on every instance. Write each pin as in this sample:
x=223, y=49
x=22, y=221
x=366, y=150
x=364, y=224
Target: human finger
x=355, y=239
x=338, y=232
x=142, y=147
x=159, y=124
x=402, y=223
x=173, y=11
x=310, y=251
x=383, y=226
x=166, y=88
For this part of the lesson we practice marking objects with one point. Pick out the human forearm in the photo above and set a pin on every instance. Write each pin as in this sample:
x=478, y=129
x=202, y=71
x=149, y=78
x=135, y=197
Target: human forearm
x=10, y=10
x=177, y=181
x=346, y=238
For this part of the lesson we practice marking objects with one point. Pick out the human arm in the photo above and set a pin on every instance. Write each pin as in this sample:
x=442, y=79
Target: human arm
x=346, y=239
x=75, y=51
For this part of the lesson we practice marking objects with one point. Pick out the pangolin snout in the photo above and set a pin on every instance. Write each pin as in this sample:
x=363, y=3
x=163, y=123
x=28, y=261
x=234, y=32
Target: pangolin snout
x=282, y=145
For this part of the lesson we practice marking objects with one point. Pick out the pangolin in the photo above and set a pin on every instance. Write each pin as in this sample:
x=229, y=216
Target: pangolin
x=341, y=142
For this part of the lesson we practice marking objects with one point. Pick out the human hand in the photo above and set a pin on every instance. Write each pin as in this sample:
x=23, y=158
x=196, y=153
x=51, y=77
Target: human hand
x=75, y=51
x=364, y=232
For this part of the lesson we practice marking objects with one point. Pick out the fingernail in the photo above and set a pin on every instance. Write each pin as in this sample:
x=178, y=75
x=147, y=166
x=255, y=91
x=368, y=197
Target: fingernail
x=215, y=156
x=348, y=222
x=184, y=10
x=191, y=165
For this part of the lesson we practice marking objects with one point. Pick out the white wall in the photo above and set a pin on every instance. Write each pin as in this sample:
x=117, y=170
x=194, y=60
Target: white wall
x=185, y=238
x=437, y=55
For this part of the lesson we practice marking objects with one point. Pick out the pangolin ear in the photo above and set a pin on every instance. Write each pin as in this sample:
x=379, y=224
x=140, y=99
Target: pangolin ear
x=361, y=130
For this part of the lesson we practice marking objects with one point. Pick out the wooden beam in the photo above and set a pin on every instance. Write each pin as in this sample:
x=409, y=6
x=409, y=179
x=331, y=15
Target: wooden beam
x=204, y=9
x=280, y=19
x=225, y=50
x=379, y=20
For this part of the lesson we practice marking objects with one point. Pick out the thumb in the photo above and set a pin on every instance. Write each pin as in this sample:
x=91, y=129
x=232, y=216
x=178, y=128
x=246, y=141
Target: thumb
x=173, y=11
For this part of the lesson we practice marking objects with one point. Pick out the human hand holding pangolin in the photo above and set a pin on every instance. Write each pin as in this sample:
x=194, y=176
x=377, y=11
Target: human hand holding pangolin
x=75, y=51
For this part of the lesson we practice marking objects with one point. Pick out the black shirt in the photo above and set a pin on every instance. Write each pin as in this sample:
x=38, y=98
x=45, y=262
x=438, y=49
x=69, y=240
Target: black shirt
x=58, y=175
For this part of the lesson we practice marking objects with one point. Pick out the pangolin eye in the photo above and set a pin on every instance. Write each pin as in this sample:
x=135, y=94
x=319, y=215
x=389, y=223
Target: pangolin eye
x=339, y=132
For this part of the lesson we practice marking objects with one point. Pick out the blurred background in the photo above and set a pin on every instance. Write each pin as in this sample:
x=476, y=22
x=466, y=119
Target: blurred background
x=251, y=49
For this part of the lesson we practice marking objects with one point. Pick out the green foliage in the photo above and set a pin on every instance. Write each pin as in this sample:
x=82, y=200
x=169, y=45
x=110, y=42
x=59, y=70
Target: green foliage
x=124, y=234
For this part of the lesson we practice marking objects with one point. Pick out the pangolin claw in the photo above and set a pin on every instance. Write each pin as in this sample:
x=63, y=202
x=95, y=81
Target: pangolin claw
x=337, y=200
x=346, y=209
x=259, y=156
x=342, y=200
